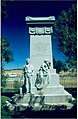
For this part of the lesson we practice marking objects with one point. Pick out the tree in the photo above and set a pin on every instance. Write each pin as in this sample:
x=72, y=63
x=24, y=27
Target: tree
x=4, y=8
x=6, y=56
x=59, y=65
x=66, y=29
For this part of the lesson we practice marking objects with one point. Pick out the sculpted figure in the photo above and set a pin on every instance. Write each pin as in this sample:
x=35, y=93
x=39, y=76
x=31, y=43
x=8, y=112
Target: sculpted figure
x=28, y=72
x=42, y=77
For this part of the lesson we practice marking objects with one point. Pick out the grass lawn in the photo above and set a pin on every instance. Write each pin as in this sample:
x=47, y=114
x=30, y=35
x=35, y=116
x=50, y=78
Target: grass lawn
x=68, y=82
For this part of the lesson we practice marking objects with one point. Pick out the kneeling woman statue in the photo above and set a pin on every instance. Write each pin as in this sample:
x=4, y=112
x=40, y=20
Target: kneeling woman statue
x=42, y=77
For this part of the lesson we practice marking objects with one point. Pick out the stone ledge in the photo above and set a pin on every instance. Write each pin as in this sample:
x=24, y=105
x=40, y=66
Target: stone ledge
x=28, y=18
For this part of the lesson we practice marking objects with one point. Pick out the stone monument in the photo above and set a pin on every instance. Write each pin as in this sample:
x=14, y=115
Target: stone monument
x=41, y=30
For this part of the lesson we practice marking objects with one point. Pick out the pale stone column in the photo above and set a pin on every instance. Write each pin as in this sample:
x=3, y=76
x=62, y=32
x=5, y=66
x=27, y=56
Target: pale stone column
x=40, y=30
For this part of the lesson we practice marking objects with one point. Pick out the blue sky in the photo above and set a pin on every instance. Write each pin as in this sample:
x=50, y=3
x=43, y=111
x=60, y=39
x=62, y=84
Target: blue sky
x=14, y=27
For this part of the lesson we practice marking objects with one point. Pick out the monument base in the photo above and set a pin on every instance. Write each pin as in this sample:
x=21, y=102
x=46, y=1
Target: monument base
x=51, y=93
x=48, y=99
x=48, y=95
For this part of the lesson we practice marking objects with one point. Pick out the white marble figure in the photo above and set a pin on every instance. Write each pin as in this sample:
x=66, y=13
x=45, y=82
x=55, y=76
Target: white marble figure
x=42, y=77
x=28, y=72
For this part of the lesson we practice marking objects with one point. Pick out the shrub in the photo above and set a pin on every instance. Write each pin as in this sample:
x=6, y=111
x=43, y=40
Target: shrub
x=4, y=112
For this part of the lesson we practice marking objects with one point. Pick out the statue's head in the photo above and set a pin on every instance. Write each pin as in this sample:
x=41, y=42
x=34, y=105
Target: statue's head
x=27, y=61
x=48, y=63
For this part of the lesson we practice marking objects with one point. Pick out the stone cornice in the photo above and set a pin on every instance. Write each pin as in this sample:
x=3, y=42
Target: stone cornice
x=40, y=20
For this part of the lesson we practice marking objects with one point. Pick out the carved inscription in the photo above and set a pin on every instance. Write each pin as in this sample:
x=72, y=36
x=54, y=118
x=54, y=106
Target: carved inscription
x=41, y=49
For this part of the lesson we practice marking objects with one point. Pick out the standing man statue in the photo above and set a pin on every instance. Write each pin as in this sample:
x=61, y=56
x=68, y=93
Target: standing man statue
x=42, y=77
x=28, y=72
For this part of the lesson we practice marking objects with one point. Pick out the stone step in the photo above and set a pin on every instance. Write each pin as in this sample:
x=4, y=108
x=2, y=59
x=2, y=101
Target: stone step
x=50, y=90
x=55, y=98
x=46, y=98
